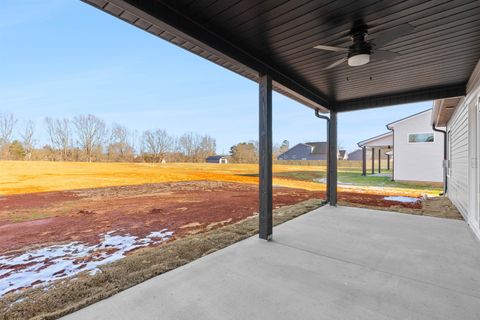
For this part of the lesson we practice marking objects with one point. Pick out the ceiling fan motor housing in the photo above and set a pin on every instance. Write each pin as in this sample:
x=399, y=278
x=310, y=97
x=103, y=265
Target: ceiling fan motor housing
x=360, y=50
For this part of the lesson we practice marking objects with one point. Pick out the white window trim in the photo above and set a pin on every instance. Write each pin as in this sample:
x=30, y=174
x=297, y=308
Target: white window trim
x=426, y=142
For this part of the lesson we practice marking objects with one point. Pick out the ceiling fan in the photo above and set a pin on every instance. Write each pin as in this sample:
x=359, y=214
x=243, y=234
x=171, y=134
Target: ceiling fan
x=362, y=51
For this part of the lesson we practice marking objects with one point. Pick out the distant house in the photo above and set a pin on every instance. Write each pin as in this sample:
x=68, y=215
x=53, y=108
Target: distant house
x=310, y=151
x=356, y=155
x=342, y=155
x=217, y=159
x=416, y=149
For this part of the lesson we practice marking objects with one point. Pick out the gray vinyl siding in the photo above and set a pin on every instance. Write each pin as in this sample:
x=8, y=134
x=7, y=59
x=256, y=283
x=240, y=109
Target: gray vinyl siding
x=458, y=179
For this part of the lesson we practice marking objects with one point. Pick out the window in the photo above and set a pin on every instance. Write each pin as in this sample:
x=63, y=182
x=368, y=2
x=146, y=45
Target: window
x=420, y=137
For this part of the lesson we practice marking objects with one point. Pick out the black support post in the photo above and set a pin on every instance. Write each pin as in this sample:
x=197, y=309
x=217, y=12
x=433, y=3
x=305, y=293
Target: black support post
x=327, y=119
x=388, y=162
x=380, y=160
x=332, y=160
x=265, y=151
x=373, y=160
x=364, y=161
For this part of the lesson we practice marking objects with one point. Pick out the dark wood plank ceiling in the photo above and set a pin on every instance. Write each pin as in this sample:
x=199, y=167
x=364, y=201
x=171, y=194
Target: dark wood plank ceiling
x=277, y=36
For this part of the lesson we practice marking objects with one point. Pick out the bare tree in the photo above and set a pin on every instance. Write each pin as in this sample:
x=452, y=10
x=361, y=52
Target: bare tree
x=279, y=149
x=196, y=147
x=156, y=144
x=207, y=147
x=7, y=124
x=90, y=132
x=27, y=139
x=120, y=148
x=188, y=144
x=59, y=132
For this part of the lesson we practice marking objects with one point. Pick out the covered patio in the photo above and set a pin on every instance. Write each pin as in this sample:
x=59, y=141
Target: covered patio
x=331, y=56
x=335, y=262
x=383, y=145
x=332, y=263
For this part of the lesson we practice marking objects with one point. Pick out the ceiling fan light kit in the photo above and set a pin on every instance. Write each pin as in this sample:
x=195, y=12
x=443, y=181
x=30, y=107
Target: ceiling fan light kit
x=359, y=60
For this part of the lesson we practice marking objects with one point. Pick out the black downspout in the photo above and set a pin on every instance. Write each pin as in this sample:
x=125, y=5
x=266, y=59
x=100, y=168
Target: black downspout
x=444, y=158
x=318, y=115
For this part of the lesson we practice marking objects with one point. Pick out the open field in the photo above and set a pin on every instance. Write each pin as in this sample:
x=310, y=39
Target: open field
x=20, y=177
x=63, y=219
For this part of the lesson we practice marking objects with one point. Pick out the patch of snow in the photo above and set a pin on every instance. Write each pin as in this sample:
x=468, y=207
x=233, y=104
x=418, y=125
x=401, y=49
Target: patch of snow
x=402, y=199
x=55, y=262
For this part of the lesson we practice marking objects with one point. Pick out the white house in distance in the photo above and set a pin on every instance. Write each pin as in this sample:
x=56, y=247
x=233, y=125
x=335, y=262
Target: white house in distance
x=460, y=117
x=417, y=150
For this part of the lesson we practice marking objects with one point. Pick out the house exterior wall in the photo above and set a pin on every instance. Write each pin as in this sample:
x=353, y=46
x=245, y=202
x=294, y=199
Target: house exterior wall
x=457, y=146
x=463, y=182
x=420, y=161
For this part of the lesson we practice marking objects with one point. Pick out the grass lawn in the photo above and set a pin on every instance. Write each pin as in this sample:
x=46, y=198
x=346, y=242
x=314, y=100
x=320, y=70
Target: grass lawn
x=353, y=177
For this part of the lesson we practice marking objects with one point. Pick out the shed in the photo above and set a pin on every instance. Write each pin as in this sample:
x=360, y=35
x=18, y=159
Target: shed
x=217, y=159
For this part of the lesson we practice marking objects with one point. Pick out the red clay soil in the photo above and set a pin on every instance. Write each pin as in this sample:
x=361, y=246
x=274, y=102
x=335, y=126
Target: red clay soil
x=375, y=200
x=186, y=207
x=38, y=219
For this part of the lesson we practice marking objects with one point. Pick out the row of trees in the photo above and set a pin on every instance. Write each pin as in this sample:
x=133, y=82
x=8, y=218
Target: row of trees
x=247, y=152
x=88, y=138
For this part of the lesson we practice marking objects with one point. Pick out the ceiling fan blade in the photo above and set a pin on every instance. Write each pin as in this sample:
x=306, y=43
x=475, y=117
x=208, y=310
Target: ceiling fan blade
x=382, y=38
x=330, y=48
x=384, y=55
x=336, y=63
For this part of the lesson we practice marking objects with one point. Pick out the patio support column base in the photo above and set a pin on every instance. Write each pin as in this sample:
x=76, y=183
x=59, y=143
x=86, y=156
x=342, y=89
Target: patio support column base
x=265, y=157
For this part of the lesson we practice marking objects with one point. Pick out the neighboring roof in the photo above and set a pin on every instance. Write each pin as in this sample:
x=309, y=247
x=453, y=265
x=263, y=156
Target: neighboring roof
x=356, y=155
x=382, y=140
x=277, y=38
x=443, y=110
x=391, y=124
x=318, y=147
x=218, y=157
x=341, y=153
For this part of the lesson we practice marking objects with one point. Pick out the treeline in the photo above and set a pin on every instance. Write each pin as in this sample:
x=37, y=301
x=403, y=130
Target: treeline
x=88, y=138
x=247, y=152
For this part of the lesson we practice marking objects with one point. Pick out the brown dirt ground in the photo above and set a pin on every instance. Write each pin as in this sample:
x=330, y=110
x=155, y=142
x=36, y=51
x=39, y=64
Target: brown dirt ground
x=31, y=220
x=67, y=296
x=36, y=219
x=439, y=207
x=184, y=207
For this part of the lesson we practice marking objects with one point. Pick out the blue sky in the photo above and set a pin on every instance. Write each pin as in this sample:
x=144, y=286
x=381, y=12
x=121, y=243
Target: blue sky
x=61, y=58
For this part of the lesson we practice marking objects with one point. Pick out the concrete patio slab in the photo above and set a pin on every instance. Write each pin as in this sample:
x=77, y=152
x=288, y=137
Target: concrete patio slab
x=332, y=263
